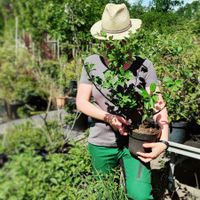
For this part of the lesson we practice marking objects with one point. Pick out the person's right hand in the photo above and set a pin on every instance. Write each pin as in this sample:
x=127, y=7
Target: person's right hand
x=117, y=122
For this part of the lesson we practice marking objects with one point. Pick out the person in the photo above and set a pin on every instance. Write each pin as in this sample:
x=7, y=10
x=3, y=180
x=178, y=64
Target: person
x=103, y=141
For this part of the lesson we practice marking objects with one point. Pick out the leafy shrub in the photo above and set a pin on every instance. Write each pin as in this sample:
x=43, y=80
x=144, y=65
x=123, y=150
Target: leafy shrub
x=177, y=64
x=27, y=136
x=56, y=176
x=69, y=119
x=16, y=81
x=162, y=21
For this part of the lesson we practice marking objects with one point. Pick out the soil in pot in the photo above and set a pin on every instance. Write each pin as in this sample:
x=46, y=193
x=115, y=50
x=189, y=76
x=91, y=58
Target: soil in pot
x=145, y=133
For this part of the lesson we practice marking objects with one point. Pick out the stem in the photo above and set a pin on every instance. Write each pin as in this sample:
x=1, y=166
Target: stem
x=48, y=132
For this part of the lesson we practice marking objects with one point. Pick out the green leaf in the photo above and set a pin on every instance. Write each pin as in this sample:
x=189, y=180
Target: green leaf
x=103, y=34
x=128, y=75
x=179, y=83
x=146, y=106
x=143, y=93
x=155, y=98
x=151, y=102
x=144, y=117
x=53, y=180
x=152, y=87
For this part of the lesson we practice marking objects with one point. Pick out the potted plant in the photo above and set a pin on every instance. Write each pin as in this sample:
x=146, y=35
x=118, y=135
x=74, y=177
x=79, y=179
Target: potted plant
x=16, y=85
x=60, y=100
x=146, y=130
x=130, y=100
x=181, y=96
x=177, y=114
x=177, y=64
x=17, y=81
x=53, y=91
x=52, y=81
x=61, y=82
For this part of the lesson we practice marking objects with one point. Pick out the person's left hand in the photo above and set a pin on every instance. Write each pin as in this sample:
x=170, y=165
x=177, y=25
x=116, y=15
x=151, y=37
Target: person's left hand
x=156, y=147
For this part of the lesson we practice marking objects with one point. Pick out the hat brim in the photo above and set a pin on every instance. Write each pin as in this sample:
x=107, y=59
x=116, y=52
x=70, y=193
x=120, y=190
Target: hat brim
x=96, y=30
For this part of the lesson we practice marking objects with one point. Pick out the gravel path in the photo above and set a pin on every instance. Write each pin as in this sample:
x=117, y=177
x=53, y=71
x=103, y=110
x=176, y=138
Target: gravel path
x=38, y=120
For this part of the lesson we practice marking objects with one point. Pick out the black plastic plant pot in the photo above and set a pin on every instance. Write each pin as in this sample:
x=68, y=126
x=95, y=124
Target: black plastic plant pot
x=81, y=123
x=42, y=152
x=178, y=132
x=136, y=141
x=11, y=109
x=3, y=159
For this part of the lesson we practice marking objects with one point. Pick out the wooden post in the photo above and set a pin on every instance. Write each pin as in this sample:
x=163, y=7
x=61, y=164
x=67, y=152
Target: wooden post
x=58, y=49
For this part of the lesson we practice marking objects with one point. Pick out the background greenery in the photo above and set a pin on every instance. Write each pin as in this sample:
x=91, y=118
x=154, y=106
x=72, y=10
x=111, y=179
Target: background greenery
x=42, y=47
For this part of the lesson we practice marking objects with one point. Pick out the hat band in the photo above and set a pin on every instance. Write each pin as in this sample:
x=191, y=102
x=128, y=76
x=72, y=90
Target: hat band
x=117, y=31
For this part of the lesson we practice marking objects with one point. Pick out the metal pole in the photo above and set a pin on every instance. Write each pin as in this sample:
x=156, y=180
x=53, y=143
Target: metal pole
x=171, y=179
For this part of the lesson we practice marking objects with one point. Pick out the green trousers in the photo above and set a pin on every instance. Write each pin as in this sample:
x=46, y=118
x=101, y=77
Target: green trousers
x=137, y=174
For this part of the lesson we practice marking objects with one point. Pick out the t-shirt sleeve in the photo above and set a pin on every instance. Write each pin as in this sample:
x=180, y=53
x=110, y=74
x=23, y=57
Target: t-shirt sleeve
x=151, y=76
x=84, y=77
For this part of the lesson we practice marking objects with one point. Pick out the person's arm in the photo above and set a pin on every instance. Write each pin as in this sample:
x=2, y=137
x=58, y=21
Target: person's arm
x=162, y=119
x=84, y=105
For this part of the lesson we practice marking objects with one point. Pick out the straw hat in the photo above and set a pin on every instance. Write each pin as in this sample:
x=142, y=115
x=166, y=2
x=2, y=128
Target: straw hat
x=115, y=22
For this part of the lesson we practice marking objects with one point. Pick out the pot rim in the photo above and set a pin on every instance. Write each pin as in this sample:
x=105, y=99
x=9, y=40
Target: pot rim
x=143, y=137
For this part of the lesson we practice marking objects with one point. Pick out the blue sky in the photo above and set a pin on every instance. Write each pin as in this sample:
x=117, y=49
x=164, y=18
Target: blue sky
x=146, y=2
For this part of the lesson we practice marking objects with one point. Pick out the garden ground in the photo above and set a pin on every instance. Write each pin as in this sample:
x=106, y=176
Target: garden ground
x=187, y=174
x=185, y=184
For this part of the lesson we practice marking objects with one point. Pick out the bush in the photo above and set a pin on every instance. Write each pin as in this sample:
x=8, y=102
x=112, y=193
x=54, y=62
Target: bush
x=177, y=64
x=28, y=175
x=27, y=136
x=161, y=21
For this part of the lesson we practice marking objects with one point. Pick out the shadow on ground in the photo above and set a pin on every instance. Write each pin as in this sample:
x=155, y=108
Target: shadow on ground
x=187, y=174
x=160, y=181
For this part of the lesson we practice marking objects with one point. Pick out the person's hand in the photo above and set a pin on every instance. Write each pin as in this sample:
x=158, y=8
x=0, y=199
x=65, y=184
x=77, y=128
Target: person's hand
x=118, y=123
x=156, y=149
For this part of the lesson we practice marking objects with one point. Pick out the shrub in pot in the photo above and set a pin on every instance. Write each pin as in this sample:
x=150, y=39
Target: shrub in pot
x=16, y=85
x=51, y=88
x=54, y=78
x=133, y=102
x=60, y=97
x=146, y=130
x=177, y=65
x=176, y=109
x=181, y=96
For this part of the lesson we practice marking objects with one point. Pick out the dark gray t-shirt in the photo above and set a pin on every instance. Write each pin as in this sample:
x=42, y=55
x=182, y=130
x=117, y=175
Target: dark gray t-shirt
x=101, y=134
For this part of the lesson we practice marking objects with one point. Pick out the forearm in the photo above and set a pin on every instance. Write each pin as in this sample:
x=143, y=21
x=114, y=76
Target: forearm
x=90, y=109
x=161, y=116
x=162, y=119
x=164, y=133
x=83, y=102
